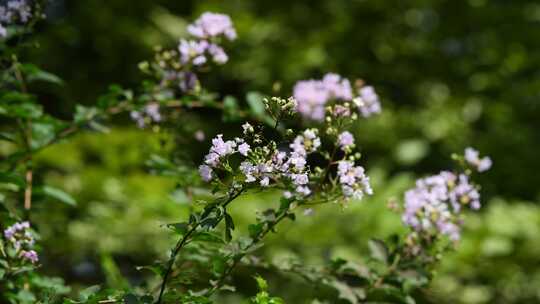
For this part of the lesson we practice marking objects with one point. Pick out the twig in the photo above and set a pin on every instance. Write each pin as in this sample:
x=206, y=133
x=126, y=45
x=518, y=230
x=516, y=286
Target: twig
x=238, y=258
x=183, y=241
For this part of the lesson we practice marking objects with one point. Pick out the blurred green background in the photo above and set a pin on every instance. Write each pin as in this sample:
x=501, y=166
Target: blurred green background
x=450, y=73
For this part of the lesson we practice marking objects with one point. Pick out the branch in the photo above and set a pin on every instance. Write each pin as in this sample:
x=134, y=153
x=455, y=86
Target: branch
x=184, y=240
x=238, y=257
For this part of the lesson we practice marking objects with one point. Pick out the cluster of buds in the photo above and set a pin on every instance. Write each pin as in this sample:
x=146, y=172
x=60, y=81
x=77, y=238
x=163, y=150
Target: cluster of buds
x=279, y=107
x=21, y=241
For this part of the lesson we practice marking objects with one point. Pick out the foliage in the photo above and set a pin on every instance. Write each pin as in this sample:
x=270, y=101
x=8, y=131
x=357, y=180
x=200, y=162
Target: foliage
x=98, y=198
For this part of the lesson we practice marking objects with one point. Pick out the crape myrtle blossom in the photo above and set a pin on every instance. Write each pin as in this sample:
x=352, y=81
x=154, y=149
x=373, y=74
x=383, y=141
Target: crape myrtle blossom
x=19, y=236
x=218, y=152
x=212, y=25
x=149, y=113
x=367, y=101
x=435, y=204
x=307, y=142
x=313, y=96
x=345, y=140
x=354, y=182
x=199, y=52
x=14, y=11
x=472, y=157
x=265, y=164
x=204, y=47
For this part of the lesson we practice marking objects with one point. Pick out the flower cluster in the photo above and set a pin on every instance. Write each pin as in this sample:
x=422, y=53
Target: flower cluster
x=367, y=101
x=149, y=113
x=211, y=25
x=313, y=96
x=480, y=164
x=197, y=52
x=206, y=30
x=353, y=180
x=265, y=164
x=176, y=69
x=435, y=204
x=14, y=11
x=20, y=237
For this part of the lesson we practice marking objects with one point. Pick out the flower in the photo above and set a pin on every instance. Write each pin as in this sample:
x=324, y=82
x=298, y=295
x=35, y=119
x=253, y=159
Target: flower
x=345, y=140
x=337, y=87
x=3, y=31
x=480, y=164
x=247, y=128
x=15, y=11
x=150, y=112
x=219, y=150
x=30, y=255
x=313, y=95
x=434, y=205
x=199, y=135
x=354, y=182
x=244, y=149
x=211, y=25
x=205, y=172
x=367, y=101
x=218, y=54
x=265, y=181
x=306, y=143
x=192, y=51
x=19, y=236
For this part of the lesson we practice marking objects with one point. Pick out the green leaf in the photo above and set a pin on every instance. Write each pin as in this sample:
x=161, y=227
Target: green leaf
x=84, y=114
x=231, y=110
x=34, y=73
x=59, y=195
x=256, y=104
x=7, y=136
x=254, y=229
x=261, y=282
x=219, y=264
x=42, y=134
x=12, y=178
x=205, y=236
x=378, y=250
x=179, y=228
x=131, y=299
x=229, y=227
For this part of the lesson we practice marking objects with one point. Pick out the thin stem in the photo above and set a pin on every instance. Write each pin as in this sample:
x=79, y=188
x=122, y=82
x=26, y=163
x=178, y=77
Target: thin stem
x=185, y=239
x=28, y=190
x=27, y=136
x=238, y=258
